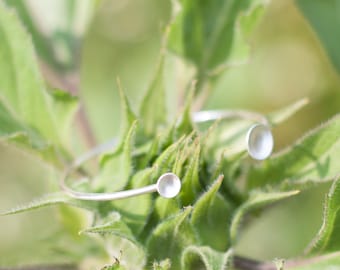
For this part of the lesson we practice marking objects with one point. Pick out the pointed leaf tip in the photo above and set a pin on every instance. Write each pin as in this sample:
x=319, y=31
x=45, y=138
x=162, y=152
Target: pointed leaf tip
x=212, y=213
x=153, y=110
x=116, y=167
x=211, y=259
x=327, y=239
x=256, y=200
x=47, y=200
x=176, y=231
x=285, y=113
x=128, y=115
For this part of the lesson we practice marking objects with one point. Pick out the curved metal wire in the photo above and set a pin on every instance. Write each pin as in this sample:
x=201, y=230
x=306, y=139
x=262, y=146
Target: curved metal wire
x=198, y=117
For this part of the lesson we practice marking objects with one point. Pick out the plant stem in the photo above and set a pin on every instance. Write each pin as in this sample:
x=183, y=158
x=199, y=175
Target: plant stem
x=242, y=263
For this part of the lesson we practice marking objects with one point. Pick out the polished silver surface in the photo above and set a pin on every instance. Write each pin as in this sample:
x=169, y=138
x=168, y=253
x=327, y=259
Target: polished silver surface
x=205, y=116
x=260, y=141
x=168, y=186
x=106, y=196
x=259, y=138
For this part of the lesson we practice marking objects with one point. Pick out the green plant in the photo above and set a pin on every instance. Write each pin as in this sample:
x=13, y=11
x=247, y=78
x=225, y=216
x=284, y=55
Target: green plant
x=220, y=185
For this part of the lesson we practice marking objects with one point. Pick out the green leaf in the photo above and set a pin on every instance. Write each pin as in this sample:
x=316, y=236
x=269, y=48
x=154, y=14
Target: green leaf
x=116, y=167
x=312, y=159
x=34, y=145
x=209, y=33
x=115, y=266
x=191, y=185
x=49, y=200
x=153, y=108
x=328, y=237
x=165, y=208
x=256, y=200
x=151, y=154
x=22, y=89
x=161, y=210
x=246, y=23
x=160, y=144
x=13, y=131
x=162, y=162
x=128, y=115
x=194, y=256
x=135, y=210
x=64, y=108
x=323, y=17
x=72, y=219
x=163, y=265
x=285, y=113
x=184, y=154
x=170, y=237
x=212, y=214
x=119, y=240
x=185, y=125
x=115, y=226
x=59, y=36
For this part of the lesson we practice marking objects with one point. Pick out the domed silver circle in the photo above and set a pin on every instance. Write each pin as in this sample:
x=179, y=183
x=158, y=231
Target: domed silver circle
x=260, y=142
x=168, y=185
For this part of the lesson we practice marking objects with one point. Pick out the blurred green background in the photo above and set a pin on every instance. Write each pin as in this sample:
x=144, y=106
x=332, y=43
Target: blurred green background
x=121, y=38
